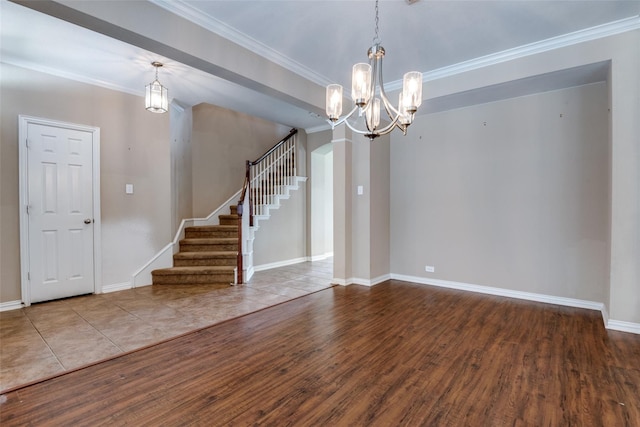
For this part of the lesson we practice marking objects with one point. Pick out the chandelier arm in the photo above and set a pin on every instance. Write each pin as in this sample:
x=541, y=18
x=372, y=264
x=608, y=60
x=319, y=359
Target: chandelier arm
x=361, y=132
x=385, y=130
x=343, y=119
x=387, y=104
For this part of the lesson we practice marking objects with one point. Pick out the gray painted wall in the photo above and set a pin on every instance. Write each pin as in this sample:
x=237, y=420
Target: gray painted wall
x=222, y=141
x=134, y=149
x=181, y=120
x=283, y=236
x=512, y=194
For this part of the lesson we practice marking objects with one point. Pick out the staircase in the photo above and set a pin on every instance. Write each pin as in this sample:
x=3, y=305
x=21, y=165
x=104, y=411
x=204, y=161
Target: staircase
x=208, y=255
x=222, y=255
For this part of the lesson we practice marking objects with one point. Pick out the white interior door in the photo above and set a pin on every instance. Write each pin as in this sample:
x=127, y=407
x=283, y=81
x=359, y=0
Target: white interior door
x=59, y=211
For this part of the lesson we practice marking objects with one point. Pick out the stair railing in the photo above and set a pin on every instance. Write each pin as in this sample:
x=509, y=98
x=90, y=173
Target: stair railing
x=262, y=176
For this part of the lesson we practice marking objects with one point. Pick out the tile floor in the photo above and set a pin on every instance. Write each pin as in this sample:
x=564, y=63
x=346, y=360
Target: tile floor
x=49, y=338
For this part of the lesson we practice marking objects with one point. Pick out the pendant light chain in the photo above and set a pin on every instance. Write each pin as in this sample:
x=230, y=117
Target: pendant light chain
x=376, y=39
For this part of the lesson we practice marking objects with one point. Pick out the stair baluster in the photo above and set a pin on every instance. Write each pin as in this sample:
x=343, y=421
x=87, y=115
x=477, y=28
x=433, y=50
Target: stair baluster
x=270, y=172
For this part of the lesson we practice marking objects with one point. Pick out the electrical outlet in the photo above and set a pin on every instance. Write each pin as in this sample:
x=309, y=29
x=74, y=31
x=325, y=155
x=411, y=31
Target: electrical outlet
x=429, y=269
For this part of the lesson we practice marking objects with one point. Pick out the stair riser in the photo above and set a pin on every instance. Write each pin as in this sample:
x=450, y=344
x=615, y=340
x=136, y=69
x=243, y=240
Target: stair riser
x=228, y=221
x=193, y=279
x=188, y=247
x=193, y=234
x=203, y=262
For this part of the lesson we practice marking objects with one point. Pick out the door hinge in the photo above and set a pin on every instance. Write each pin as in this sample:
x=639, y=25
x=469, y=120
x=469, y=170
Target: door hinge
x=27, y=142
x=28, y=275
x=27, y=209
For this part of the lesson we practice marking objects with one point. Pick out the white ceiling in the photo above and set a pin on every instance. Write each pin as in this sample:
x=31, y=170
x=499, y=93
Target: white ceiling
x=318, y=39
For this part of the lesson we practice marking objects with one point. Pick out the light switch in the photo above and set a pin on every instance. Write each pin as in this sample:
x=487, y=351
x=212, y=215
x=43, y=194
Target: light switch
x=128, y=188
x=360, y=190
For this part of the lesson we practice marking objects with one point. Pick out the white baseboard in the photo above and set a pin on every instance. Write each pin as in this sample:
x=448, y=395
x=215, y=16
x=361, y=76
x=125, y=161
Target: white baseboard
x=360, y=281
x=616, y=325
x=619, y=325
x=164, y=257
x=10, y=305
x=248, y=274
x=115, y=287
x=279, y=264
x=321, y=257
x=529, y=296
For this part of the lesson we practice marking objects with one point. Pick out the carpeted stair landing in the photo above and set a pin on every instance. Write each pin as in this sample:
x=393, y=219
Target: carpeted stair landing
x=208, y=255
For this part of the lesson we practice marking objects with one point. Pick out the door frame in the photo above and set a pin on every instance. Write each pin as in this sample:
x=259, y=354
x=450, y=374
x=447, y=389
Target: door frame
x=23, y=171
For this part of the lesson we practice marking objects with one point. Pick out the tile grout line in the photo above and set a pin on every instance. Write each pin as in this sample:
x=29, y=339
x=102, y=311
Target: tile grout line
x=97, y=330
x=44, y=340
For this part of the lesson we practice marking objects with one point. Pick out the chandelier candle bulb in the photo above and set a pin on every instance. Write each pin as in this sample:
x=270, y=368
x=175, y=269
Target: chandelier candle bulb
x=361, y=83
x=373, y=114
x=412, y=90
x=405, y=117
x=334, y=101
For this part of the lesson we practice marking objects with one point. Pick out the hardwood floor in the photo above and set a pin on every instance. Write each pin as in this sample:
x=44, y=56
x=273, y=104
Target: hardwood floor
x=394, y=354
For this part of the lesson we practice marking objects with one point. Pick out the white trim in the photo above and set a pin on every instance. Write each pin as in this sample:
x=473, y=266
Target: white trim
x=115, y=287
x=565, y=40
x=278, y=264
x=318, y=128
x=370, y=282
x=360, y=281
x=619, y=325
x=320, y=257
x=616, y=325
x=164, y=257
x=340, y=282
x=71, y=76
x=605, y=316
x=529, y=296
x=180, y=8
x=248, y=273
x=10, y=305
x=23, y=170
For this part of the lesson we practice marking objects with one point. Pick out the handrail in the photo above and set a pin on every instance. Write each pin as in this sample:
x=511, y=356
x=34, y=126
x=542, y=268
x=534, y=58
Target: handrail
x=275, y=147
x=246, y=188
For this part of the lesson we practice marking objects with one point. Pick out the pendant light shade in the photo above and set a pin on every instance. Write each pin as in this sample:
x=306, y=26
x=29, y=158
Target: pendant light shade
x=156, y=97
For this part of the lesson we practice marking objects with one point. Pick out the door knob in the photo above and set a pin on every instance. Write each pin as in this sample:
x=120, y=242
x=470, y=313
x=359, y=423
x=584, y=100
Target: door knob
x=87, y=221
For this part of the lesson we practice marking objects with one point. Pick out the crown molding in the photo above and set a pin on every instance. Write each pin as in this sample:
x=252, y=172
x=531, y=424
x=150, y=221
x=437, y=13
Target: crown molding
x=71, y=76
x=581, y=36
x=184, y=10
x=180, y=8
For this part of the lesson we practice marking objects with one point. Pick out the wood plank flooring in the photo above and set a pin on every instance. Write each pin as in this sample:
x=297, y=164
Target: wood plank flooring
x=395, y=354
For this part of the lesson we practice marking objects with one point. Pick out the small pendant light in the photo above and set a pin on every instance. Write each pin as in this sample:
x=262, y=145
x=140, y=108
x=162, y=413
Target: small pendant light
x=156, y=96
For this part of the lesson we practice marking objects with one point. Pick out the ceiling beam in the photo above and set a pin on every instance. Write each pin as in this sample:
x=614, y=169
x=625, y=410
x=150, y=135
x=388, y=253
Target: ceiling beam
x=154, y=29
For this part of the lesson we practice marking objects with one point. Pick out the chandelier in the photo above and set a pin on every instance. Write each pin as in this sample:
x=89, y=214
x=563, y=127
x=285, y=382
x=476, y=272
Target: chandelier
x=367, y=92
x=156, y=96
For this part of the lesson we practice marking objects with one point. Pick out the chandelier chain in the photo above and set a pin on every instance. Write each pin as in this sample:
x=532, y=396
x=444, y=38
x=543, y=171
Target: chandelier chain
x=376, y=39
